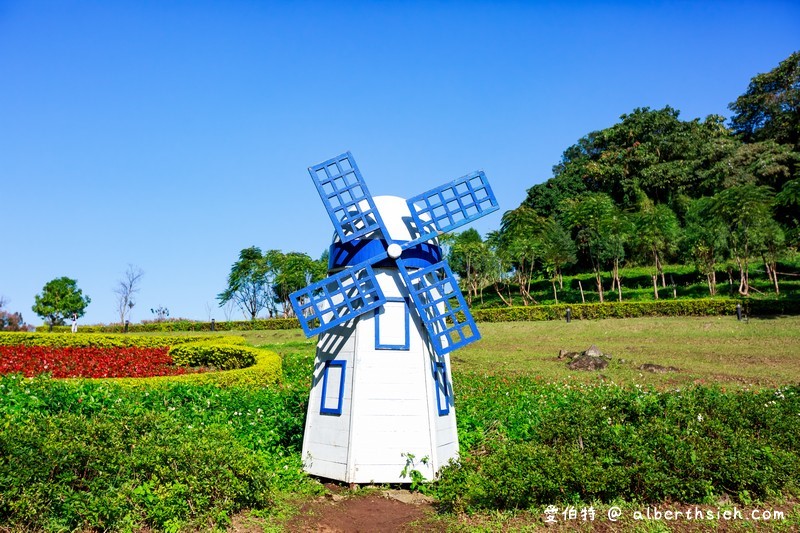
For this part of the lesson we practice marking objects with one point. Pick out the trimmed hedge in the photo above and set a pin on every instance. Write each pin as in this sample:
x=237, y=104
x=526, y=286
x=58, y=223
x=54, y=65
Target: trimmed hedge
x=184, y=325
x=699, y=307
x=267, y=370
x=221, y=356
x=626, y=309
x=62, y=340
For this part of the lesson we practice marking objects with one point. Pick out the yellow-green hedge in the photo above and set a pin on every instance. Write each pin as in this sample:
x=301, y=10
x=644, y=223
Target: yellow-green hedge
x=101, y=340
x=182, y=325
x=212, y=353
x=699, y=307
x=266, y=371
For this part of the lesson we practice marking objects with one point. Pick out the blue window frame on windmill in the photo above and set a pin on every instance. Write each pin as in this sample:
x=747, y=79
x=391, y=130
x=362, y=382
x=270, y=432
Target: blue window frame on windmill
x=333, y=388
x=388, y=334
x=443, y=396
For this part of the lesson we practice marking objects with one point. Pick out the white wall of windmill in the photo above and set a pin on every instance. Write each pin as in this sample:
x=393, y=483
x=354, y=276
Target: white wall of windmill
x=326, y=441
x=395, y=411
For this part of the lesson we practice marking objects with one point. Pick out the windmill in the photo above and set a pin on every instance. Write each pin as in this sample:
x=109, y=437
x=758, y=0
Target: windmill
x=387, y=317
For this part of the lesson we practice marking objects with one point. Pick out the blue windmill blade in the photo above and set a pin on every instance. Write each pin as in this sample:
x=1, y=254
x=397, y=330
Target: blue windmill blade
x=440, y=305
x=337, y=299
x=346, y=198
x=452, y=205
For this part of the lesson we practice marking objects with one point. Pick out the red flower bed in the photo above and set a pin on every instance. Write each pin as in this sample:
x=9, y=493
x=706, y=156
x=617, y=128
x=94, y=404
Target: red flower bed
x=88, y=362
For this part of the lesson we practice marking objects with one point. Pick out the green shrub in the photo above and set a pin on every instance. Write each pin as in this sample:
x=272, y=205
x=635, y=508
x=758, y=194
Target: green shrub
x=210, y=353
x=61, y=340
x=91, y=455
x=526, y=444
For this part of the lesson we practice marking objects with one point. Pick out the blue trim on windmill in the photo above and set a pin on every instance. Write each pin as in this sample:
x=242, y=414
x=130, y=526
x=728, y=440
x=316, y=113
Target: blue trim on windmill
x=379, y=345
x=443, y=396
x=323, y=408
x=354, y=290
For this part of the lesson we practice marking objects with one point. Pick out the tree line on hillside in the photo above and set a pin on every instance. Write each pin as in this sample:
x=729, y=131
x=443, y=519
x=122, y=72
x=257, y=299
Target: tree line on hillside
x=654, y=188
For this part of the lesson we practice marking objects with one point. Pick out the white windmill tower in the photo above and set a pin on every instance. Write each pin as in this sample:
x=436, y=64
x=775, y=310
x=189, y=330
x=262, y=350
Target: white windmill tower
x=387, y=318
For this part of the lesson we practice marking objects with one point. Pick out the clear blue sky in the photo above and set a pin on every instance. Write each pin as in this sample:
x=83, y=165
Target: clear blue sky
x=171, y=135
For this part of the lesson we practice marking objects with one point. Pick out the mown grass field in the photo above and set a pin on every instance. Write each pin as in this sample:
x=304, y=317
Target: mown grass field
x=722, y=350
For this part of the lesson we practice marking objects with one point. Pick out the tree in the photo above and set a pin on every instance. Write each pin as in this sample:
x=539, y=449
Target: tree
x=657, y=233
x=588, y=215
x=617, y=231
x=770, y=108
x=788, y=209
x=759, y=163
x=11, y=321
x=160, y=313
x=125, y=290
x=469, y=257
x=706, y=239
x=294, y=271
x=498, y=273
x=648, y=153
x=247, y=283
x=746, y=210
x=518, y=246
x=557, y=251
x=772, y=240
x=60, y=298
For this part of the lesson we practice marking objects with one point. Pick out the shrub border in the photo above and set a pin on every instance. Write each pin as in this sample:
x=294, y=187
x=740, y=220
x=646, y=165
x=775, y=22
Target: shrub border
x=267, y=371
x=590, y=311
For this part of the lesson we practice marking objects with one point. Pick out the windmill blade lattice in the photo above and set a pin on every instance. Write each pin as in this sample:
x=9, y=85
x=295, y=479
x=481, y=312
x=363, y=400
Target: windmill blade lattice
x=346, y=197
x=453, y=205
x=433, y=290
x=355, y=290
x=337, y=299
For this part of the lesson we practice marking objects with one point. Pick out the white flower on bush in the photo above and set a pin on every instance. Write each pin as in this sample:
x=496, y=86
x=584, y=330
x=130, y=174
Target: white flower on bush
x=699, y=417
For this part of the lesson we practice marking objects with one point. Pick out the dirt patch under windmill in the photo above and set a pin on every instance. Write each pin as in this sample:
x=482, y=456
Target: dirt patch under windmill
x=387, y=511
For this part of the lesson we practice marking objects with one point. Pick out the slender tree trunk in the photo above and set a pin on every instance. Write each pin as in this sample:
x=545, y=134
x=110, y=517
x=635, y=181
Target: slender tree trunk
x=580, y=286
x=509, y=302
x=674, y=289
x=655, y=285
x=555, y=292
x=743, y=285
x=767, y=269
x=560, y=279
x=708, y=280
x=599, y=285
x=744, y=276
x=659, y=268
x=713, y=281
x=730, y=281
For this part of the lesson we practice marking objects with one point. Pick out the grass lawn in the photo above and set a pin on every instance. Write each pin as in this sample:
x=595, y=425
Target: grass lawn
x=759, y=352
